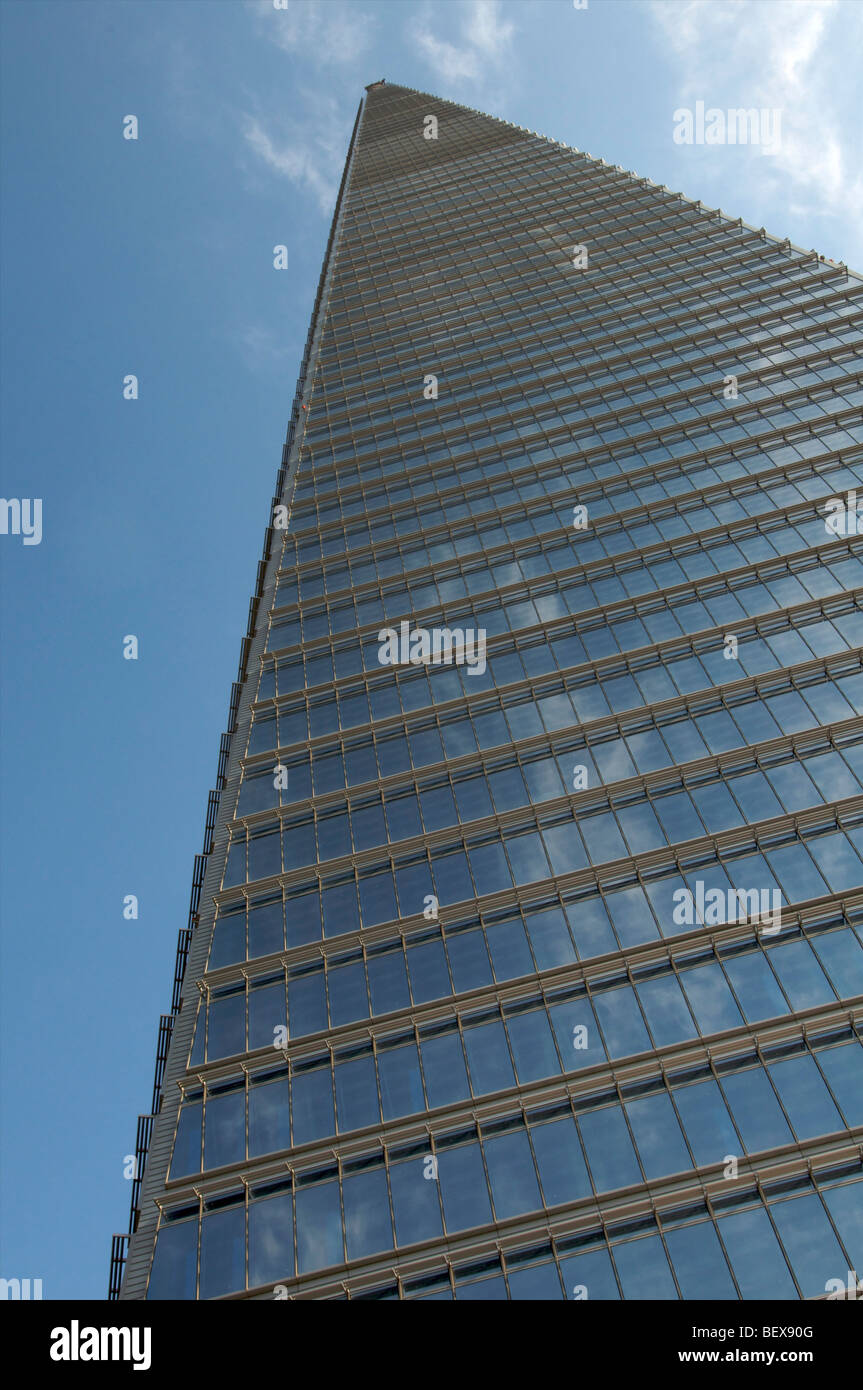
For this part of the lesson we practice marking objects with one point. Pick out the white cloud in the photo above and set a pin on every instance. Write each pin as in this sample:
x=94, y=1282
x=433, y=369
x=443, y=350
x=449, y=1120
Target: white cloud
x=789, y=55
x=486, y=31
x=309, y=152
x=321, y=31
x=309, y=149
x=261, y=347
x=481, y=46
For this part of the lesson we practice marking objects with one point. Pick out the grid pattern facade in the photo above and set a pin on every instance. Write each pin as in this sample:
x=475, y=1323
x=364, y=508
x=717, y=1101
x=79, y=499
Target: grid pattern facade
x=483, y=997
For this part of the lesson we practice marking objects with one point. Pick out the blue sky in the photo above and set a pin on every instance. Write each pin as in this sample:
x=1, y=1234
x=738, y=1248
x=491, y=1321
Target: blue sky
x=154, y=257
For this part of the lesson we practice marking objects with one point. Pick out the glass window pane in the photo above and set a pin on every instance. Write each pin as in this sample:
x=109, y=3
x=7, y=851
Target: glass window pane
x=579, y=1040
x=225, y=1129
x=469, y=959
x=539, y=1283
x=837, y=861
x=269, y=1117
x=348, y=998
x=845, y=1205
x=401, y=1083
x=621, y=1021
x=186, y=1157
x=706, y=1122
x=356, y=1093
x=428, y=971
x=805, y=1097
x=482, y=1290
x=415, y=1200
x=643, y=1269
x=223, y=1252
x=312, y=1104
x=464, y=1190
x=266, y=1014
x=711, y=999
x=591, y=929
x=550, y=938
x=755, y=986
x=565, y=850
x=368, y=1227
x=812, y=1248
x=800, y=974
x=589, y=1276
x=271, y=1240
x=602, y=838
x=527, y=857
x=632, y=918
x=512, y=1174
x=842, y=1067
x=319, y=1227
x=666, y=1009
x=756, y=1110
x=510, y=953
x=756, y=1255
x=562, y=1169
x=658, y=1138
x=700, y=1266
x=842, y=957
x=609, y=1149
x=488, y=1058
x=174, y=1271
x=532, y=1045
x=266, y=929
x=307, y=1004
x=444, y=1068
x=226, y=1033
x=797, y=873
x=388, y=982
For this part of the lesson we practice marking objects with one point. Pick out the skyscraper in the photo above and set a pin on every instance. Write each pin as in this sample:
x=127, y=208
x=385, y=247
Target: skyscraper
x=525, y=954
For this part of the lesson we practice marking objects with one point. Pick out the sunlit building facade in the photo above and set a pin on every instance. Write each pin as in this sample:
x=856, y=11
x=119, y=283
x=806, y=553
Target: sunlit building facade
x=525, y=954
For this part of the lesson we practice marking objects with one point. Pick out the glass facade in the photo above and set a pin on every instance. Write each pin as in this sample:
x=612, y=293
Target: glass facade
x=525, y=958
